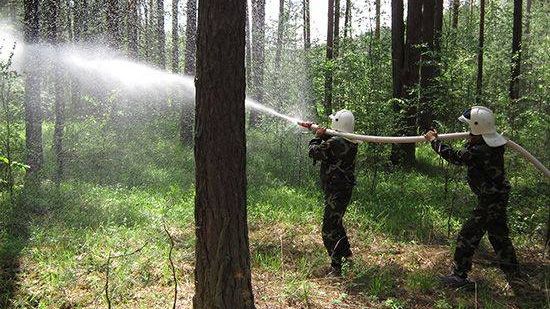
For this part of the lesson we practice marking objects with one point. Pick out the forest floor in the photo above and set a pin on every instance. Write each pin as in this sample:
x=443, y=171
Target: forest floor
x=122, y=189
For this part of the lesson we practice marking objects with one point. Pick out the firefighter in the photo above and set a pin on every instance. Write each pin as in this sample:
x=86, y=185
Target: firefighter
x=337, y=173
x=483, y=155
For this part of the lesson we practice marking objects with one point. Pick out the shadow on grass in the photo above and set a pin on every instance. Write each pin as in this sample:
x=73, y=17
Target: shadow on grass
x=14, y=237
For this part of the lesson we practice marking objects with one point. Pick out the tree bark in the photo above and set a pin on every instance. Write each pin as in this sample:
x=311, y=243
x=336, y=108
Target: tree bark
x=336, y=28
x=33, y=108
x=406, y=124
x=438, y=26
x=258, y=55
x=161, y=36
x=186, y=121
x=479, y=83
x=516, y=52
x=222, y=268
x=191, y=37
x=428, y=67
x=307, y=25
x=132, y=29
x=398, y=46
x=248, y=60
x=377, y=16
x=330, y=56
x=52, y=16
x=113, y=22
x=280, y=33
x=347, y=20
x=175, y=37
x=456, y=7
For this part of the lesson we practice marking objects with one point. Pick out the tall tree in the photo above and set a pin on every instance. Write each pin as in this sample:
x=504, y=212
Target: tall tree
x=336, y=43
x=347, y=20
x=280, y=34
x=404, y=154
x=52, y=17
x=516, y=51
x=377, y=16
x=33, y=108
x=307, y=25
x=222, y=268
x=456, y=9
x=479, y=83
x=132, y=28
x=438, y=25
x=161, y=35
x=248, y=42
x=428, y=66
x=258, y=54
x=330, y=56
x=113, y=23
x=398, y=48
x=191, y=37
x=175, y=37
x=148, y=13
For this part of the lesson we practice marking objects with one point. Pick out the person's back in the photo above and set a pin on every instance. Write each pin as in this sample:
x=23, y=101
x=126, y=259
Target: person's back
x=337, y=156
x=484, y=157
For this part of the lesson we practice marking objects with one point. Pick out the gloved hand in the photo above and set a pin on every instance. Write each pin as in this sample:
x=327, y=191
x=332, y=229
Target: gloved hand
x=305, y=124
x=430, y=135
x=320, y=132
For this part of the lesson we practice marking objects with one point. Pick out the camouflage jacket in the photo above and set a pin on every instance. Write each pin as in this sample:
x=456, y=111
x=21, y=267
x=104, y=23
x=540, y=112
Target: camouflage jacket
x=485, y=164
x=337, y=156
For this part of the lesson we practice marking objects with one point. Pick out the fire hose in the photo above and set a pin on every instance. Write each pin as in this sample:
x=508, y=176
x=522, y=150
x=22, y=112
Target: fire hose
x=417, y=139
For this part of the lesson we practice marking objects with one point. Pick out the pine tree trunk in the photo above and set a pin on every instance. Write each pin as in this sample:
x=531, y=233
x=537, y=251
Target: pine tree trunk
x=113, y=22
x=191, y=37
x=330, y=56
x=258, y=55
x=377, y=27
x=308, y=82
x=33, y=108
x=187, y=115
x=336, y=28
x=438, y=26
x=132, y=29
x=280, y=33
x=405, y=154
x=456, y=7
x=148, y=37
x=175, y=37
x=248, y=42
x=398, y=47
x=161, y=36
x=428, y=68
x=479, y=84
x=347, y=20
x=516, y=52
x=222, y=268
x=307, y=25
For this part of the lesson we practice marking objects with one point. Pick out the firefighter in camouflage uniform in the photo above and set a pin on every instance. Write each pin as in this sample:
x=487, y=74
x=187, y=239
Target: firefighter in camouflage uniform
x=337, y=157
x=483, y=155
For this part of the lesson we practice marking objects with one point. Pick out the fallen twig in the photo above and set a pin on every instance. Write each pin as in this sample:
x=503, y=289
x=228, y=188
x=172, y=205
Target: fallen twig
x=108, y=268
x=173, y=268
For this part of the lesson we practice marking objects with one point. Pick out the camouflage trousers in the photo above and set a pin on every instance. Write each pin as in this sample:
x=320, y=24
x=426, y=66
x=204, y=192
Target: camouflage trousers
x=488, y=216
x=334, y=234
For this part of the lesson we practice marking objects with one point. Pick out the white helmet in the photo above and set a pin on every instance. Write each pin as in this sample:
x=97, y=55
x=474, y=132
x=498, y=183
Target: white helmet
x=482, y=122
x=343, y=121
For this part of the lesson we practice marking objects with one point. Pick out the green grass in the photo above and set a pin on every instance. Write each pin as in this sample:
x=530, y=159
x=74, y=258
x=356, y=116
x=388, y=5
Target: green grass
x=123, y=185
